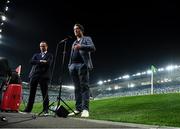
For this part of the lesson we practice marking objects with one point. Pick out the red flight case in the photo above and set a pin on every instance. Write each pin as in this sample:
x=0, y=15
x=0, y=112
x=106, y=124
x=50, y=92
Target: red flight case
x=12, y=98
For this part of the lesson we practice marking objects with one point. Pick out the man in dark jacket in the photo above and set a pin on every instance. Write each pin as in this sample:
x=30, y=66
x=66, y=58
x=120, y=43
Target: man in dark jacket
x=79, y=66
x=40, y=74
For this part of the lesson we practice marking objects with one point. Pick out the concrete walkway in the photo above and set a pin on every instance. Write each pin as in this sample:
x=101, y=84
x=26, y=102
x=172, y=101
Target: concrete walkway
x=18, y=120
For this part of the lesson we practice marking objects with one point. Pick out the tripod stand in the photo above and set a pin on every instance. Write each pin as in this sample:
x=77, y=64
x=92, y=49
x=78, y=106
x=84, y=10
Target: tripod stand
x=60, y=110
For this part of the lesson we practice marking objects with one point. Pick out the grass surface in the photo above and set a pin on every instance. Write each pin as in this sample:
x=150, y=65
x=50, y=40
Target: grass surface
x=163, y=109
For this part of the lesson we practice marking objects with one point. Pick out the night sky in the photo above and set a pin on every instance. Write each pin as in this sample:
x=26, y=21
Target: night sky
x=129, y=36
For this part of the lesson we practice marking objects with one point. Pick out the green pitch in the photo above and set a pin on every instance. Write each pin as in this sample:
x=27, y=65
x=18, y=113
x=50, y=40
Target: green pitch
x=163, y=109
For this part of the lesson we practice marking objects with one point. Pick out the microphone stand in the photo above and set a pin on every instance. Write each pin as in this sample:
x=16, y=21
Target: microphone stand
x=61, y=77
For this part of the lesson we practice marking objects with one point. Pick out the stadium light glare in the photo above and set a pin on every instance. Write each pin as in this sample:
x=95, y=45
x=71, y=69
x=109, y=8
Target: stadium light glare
x=2, y=23
x=149, y=72
x=109, y=80
x=0, y=30
x=170, y=68
x=175, y=66
x=138, y=74
x=8, y=1
x=166, y=80
x=6, y=8
x=3, y=18
x=69, y=87
x=143, y=73
x=161, y=69
x=116, y=87
x=131, y=85
x=109, y=88
x=126, y=77
x=100, y=82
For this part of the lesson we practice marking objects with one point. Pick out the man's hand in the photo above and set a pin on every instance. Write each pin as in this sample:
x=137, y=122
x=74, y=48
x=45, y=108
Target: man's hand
x=77, y=46
x=43, y=61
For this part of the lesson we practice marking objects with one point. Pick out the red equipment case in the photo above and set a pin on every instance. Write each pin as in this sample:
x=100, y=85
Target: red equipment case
x=12, y=97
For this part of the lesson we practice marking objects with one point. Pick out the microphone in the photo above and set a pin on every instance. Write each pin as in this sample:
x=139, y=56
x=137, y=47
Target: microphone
x=65, y=39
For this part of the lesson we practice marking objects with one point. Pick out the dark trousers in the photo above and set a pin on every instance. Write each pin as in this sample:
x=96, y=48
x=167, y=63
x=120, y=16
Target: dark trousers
x=80, y=77
x=44, y=90
x=2, y=84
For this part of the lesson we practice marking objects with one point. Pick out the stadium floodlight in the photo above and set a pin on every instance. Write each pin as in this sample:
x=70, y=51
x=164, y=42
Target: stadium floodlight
x=143, y=73
x=126, y=77
x=161, y=69
x=149, y=72
x=166, y=80
x=8, y=1
x=109, y=80
x=138, y=74
x=134, y=75
x=120, y=78
x=109, y=88
x=131, y=85
x=0, y=30
x=175, y=66
x=6, y=8
x=170, y=68
x=116, y=87
x=3, y=18
x=100, y=82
